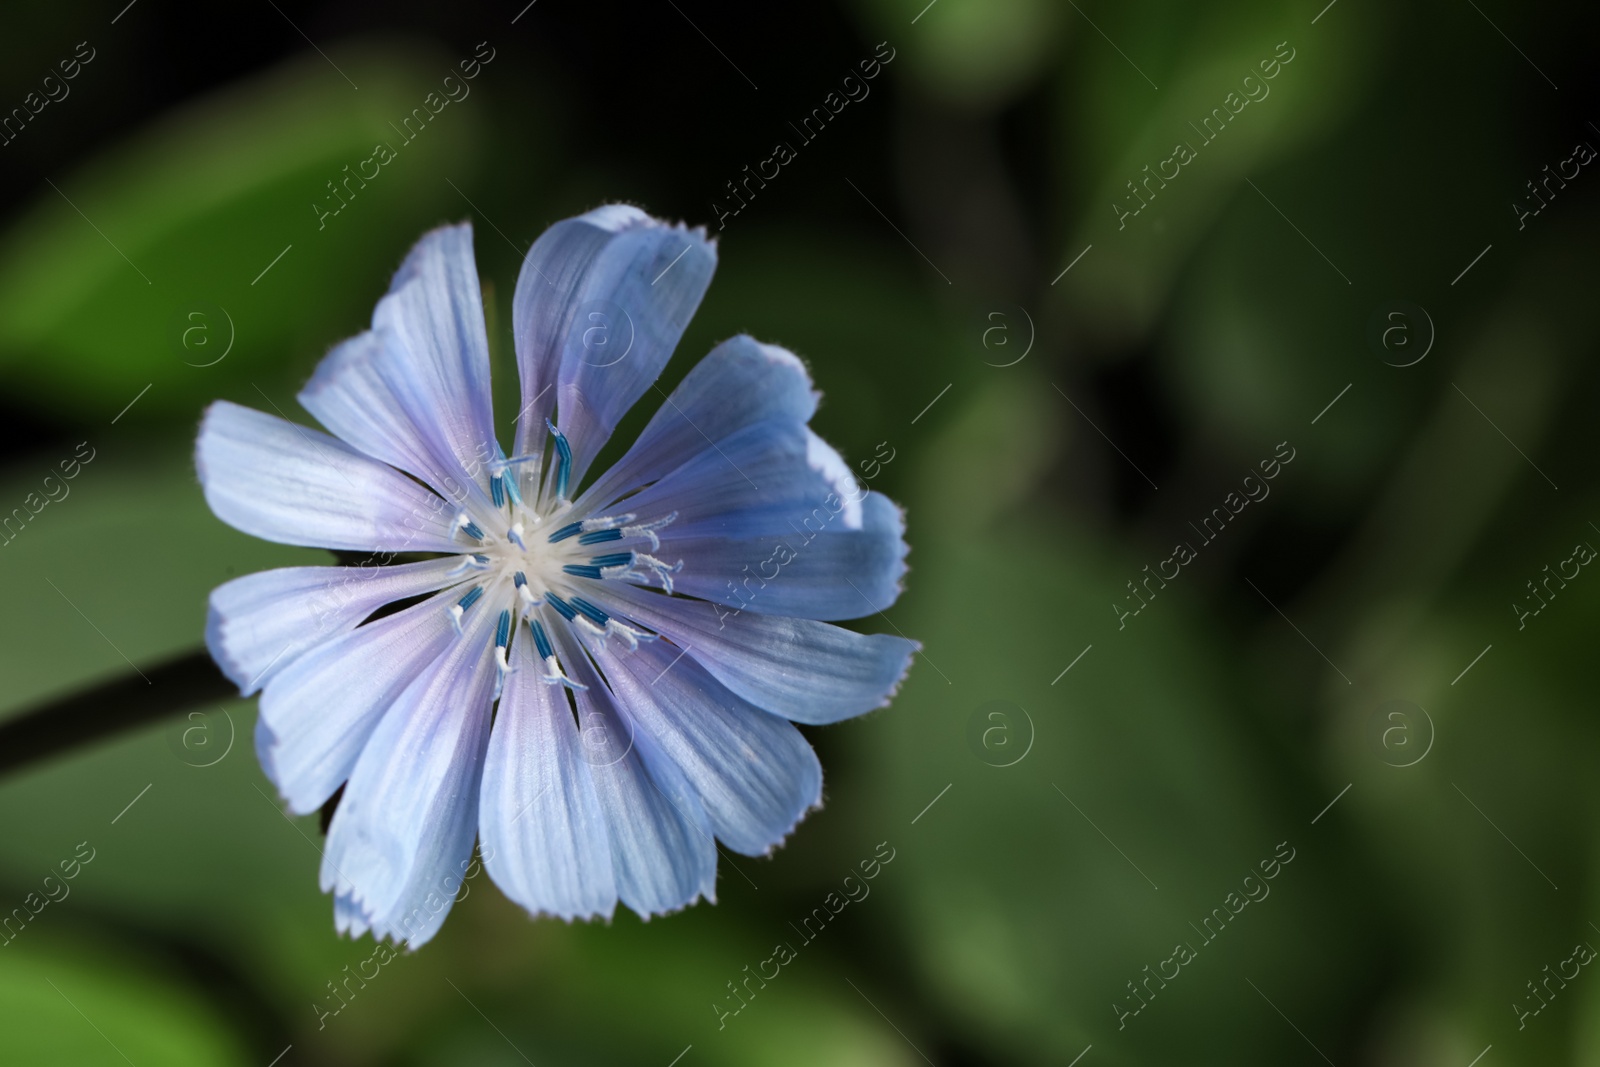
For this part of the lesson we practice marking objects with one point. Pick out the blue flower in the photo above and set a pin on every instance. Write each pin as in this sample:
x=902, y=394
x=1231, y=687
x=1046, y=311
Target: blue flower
x=594, y=680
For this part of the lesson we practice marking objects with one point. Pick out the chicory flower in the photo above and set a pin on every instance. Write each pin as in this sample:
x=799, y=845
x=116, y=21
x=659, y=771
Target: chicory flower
x=595, y=680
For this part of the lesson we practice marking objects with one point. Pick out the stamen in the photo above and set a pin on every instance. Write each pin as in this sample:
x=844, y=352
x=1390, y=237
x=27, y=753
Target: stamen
x=552, y=666
x=464, y=522
x=623, y=560
x=541, y=640
x=662, y=571
x=582, y=622
x=582, y=570
x=515, y=534
x=497, y=491
x=564, y=461
x=595, y=537
x=594, y=526
x=628, y=634
x=566, y=531
x=648, y=529
x=502, y=629
x=502, y=635
x=567, y=611
x=475, y=561
x=590, y=611
x=553, y=675
x=459, y=608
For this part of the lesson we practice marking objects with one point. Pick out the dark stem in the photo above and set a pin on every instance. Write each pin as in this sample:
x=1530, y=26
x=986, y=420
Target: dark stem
x=113, y=707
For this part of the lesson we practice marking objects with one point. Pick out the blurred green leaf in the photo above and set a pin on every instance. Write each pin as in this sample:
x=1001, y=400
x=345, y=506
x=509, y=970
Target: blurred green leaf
x=101, y=276
x=62, y=1001
x=978, y=53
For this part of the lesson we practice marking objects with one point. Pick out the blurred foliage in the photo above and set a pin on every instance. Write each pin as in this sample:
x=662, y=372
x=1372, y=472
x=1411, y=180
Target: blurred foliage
x=99, y=277
x=1179, y=751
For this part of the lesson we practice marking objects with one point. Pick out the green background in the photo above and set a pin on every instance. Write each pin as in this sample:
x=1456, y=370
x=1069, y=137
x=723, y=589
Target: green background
x=1050, y=439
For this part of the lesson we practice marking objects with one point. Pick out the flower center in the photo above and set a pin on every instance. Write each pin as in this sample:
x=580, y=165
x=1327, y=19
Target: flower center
x=543, y=565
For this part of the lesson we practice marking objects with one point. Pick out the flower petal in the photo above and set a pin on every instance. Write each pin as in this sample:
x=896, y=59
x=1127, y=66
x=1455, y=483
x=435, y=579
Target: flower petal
x=754, y=772
x=548, y=306
x=774, y=477
x=543, y=830
x=740, y=383
x=662, y=850
x=259, y=624
x=298, y=486
x=835, y=574
x=401, y=842
x=320, y=711
x=808, y=671
x=370, y=392
x=435, y=355
x=603, y=297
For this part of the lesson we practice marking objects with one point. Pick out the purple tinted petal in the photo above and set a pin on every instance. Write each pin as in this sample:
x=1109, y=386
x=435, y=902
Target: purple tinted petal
x=259, y=624
x=542, y=825
x=298, y=486
x=740, y=383
x=772, y=478
x=603, y=298
x=807, y=671
x=662, y=850
x=319, y=711
x=754, y=773
x=372, y=394
x=834, y=574
x=434, y=356
x=401, y=842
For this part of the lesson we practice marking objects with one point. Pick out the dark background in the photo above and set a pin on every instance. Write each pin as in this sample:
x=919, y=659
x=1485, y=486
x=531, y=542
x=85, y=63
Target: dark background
x=908, y=254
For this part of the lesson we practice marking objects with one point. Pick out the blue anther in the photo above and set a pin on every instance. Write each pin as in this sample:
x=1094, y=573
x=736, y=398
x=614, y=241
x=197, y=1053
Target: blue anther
x=595, y=537
x=566, y=531
x=471, y=598
x=562, y=606
x=502, y=629
x=582, y=570
x=519, y=579
x=615, y=559
x=481, y=558
x=497, y=492
x=564, y=464
x=511, y=487
x=541, y=640
x=473, y=530
x=592, y=613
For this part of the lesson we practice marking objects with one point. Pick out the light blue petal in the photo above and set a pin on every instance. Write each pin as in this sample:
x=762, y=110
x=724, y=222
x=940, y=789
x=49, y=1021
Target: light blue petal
x=320, y=710
x=401, y=842
x=616, y=299
x=662, y=850
x=434, y=354
x=298, y=486
x=259, y=624
x=835, y=574
x=372, y=394
x=754, y=772
x=774, y=477
x=740, y=383
x=550, y=305
x=808, y=671
x=543, y=830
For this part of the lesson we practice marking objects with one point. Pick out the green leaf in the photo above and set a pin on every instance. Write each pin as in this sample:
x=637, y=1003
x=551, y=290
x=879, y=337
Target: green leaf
x=63, y=1001
x=151, y=263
